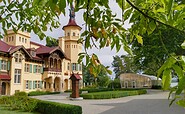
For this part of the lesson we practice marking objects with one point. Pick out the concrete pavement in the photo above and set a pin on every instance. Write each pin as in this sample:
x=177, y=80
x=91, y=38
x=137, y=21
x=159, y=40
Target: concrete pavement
x=155, y=102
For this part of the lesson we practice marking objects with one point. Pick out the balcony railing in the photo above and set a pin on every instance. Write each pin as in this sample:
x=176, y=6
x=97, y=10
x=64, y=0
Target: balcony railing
x=53, y=69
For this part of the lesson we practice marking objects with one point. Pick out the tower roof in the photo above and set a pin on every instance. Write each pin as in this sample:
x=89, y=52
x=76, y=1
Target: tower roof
x=72, y=21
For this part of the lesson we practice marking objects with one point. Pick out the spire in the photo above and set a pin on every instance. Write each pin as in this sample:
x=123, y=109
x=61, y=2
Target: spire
x=72, y=21
x=72, y=12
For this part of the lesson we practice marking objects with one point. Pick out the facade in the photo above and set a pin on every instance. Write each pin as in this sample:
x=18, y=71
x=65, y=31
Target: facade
x=131, y=80
x=29, y=66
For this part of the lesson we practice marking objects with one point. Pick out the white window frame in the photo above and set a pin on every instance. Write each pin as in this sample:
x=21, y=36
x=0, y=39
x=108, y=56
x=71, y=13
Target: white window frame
x=17, y=76
x=4, y=65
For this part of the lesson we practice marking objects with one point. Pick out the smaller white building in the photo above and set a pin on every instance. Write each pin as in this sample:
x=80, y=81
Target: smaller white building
x=131, y=80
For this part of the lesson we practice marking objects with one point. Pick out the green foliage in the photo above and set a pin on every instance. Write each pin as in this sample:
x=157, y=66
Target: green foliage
x=115, y=83
x=51, y=42
x=46, y=107
x=112, y=94
x=33, y=105
x=123, y=64
x=22, y=93
x=36, y=93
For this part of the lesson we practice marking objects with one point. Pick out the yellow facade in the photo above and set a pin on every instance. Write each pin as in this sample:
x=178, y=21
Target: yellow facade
x=28, y=69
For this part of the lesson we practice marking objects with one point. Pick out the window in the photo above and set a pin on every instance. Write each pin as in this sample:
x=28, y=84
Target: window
x=19, y=39
x=38, y=84
x=18, y=58
x=27, y=68
x=68, y=34
x=74, y=66
x=27, y=84
x=37, y=69
x=68, y=66
x=25, y=40
x=74, y=34
x=17, y=76
x=80, y=67
x=4, y=65
x=35, y=84
x=12, y=38
x=9, y=39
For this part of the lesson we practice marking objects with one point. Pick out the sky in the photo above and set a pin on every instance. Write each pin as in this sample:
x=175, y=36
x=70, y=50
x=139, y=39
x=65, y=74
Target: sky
x=106, y=54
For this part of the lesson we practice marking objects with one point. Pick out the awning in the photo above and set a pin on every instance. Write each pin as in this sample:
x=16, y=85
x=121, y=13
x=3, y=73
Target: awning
x=5, y=77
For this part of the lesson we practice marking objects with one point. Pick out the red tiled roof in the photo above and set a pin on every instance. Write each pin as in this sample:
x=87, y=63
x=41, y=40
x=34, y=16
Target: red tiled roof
x=4, y=47
x=5, y=77
x=44, y=49
x=75, y=76
x=72, y=22
x=36, y=43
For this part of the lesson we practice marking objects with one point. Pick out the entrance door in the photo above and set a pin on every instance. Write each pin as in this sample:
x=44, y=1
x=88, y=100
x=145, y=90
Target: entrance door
x=3, y=91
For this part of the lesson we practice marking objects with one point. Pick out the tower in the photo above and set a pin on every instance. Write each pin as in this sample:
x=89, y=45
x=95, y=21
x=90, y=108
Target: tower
x=16, y=39
x=72, y=48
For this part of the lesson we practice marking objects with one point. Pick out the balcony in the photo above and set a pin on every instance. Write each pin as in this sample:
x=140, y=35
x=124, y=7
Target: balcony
x=53, y=69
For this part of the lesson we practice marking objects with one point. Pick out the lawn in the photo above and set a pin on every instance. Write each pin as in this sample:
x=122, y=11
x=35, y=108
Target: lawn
x=5, y=110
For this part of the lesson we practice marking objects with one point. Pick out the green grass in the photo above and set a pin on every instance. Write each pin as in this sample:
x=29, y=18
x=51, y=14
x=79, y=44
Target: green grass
x=6, y=110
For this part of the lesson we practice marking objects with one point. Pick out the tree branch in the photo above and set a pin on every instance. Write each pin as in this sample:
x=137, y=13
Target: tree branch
x=147, y=16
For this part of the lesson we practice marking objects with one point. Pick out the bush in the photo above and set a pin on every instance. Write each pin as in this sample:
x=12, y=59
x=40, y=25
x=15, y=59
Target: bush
x=36, y=93
x=156, y=87
x=46, y=107
x=22, y=93
x=112, y=94
x=115, y=83
x=34, y=105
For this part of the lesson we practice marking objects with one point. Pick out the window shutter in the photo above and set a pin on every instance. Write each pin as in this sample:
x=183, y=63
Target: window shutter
x=33, y=84
x=8, y=65
x=0, y=64
x=30, y=68
x=41, y=69
x=77, y=67
x=40, y=84
x=34, y=68
x=30, y=84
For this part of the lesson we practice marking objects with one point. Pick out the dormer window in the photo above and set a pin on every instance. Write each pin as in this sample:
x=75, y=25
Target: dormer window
x=33, y=53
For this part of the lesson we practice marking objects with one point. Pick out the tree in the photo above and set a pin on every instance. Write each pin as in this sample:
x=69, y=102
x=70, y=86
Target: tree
x=103, y=27
x=123, y=64
x=51, y=42
x=156, y=48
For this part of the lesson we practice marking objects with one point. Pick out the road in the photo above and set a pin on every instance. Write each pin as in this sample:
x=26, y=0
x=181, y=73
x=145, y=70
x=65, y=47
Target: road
x=155, y=102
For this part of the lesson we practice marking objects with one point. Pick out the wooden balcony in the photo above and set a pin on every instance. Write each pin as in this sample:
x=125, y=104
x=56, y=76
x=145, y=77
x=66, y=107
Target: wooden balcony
x=53, y=69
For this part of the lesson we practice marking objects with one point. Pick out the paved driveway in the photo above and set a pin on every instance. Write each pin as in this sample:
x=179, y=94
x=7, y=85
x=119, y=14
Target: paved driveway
x=155, y=102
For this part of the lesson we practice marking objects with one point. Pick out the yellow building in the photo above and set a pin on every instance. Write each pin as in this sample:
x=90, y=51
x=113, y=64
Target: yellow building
x=29, y=66
x=131, y=80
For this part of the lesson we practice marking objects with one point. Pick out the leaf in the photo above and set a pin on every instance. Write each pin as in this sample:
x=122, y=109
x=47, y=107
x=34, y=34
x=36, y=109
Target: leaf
x=62, y=5
x=166, y=79
x=168, y=64
x=181, y=102
x=183, y=45
x=170, y=6
x=152, y=25
x=178, y=70
x=139, y=39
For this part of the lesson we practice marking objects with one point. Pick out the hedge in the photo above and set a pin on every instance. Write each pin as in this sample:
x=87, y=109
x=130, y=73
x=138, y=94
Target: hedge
x=36, y=93
x=46, y=107
x=27, y=104
x=112, y=94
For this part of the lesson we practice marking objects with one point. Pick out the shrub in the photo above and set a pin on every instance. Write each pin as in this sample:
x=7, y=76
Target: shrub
x=111, y=94
x=22, y=93
x=34, y=105
x=46, y=107
x=156, y=87
x=36, y=93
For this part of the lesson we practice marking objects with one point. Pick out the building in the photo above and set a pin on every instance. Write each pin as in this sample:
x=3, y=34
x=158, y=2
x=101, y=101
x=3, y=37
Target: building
x=131, y=80
x=29, y=66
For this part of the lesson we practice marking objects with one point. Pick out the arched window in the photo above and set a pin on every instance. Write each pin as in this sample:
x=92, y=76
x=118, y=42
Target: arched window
x=68, y=34
x=74, y=34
